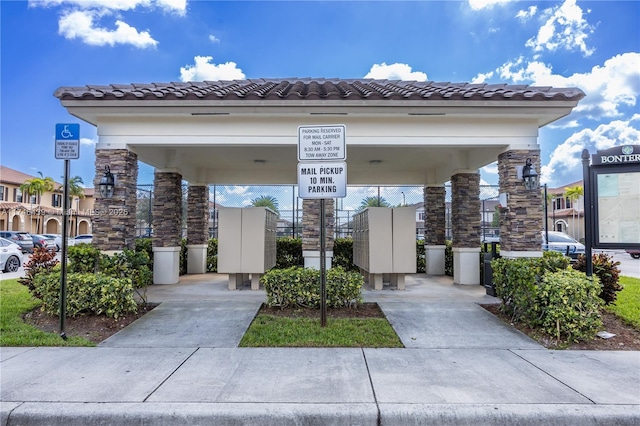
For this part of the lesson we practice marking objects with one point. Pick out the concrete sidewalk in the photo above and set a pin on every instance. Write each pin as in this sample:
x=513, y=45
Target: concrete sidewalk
x=183, y=366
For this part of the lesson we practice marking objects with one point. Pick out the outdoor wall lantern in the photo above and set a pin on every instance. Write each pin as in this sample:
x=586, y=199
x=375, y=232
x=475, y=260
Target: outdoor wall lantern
x=529, y=176
x=107, y=183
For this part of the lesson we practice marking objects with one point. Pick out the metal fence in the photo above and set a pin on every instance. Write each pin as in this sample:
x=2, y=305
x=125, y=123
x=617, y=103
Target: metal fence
x=284, y=199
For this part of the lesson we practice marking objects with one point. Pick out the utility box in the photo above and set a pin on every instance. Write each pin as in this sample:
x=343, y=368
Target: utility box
x=384, y=242
x=246, y=243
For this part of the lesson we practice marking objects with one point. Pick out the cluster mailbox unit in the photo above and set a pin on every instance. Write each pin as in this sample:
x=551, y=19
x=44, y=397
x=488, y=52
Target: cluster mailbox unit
x=384, y=243
x=246, y=243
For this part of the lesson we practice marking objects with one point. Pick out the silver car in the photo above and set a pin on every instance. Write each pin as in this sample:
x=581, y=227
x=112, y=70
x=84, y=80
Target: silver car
x=563, y=243
x=10, y=256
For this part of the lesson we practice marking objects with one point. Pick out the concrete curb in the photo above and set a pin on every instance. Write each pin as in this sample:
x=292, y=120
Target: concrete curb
x=280, y=414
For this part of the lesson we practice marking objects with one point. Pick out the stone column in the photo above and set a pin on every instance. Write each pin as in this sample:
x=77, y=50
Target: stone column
x=311, y=232
x=466, y=229
x=197, y=228
x=434, y=229
x=521, y=221
x=114, y=219
x=167, y=227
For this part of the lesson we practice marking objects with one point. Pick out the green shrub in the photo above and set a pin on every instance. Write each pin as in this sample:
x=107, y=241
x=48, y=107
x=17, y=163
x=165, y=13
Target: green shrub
x=183, y=256
x=421, y=260
x=608, y=273
x=83, y=259
x=343, y=254
x=295, y=287
x=448, y=259
x=145, y=245
x=288, y=252
x=92, y=293
x=131, y=264
x=42, y=261
x=212, y=255
x=570, y=304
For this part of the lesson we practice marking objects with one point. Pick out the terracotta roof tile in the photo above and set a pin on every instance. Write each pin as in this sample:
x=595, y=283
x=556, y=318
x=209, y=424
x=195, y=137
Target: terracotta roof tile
x=318, y=89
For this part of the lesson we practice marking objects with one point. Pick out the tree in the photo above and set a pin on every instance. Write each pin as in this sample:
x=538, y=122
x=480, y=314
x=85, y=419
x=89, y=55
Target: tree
x=373, y=201
x=573, y=194
x=266, y=201
x=37, y=186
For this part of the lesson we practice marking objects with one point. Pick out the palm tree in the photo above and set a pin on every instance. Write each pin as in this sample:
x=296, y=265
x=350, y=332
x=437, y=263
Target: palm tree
x=373, y=201
x=37, y=186
x=573, y=194
x=266, y=201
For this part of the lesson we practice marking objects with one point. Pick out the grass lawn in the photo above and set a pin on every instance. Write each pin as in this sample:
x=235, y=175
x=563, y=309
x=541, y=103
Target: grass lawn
x=627, y=305
x=15, y=301
x=272, y=331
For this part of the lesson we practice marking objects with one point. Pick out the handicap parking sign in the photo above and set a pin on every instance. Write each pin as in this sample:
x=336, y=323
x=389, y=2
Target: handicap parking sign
x=67, y=141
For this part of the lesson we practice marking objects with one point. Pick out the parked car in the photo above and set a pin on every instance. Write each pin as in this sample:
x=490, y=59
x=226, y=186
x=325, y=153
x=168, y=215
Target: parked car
x=57, y=238
x=563, y=243
x=10, y=256
x=634, y=253
x=23, y=239
x=43, y=242
x=80, y=239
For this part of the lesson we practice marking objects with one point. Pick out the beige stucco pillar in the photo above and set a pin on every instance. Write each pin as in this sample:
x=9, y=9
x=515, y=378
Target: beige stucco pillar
x=167, y=226
x=311, y=232
x=114, y=219
x=465, y=227
x=197, y=228
x=521, y=220
x=434, y=229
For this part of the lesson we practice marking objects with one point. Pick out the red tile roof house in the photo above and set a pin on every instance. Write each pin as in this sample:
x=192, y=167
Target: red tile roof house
x=397, y=132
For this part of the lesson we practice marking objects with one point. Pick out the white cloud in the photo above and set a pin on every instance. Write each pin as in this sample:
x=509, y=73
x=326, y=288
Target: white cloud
x=213, y=39
x=87, y=141
x=483, y=4
x=238, y=190
x=203, y=70
x=525, y=15
x=565, y=28
x=81, y=25
x=491, y=168
x=565, y=164
x=175, y=6
x=609, y=87
x=395, y=72
x=481, y=78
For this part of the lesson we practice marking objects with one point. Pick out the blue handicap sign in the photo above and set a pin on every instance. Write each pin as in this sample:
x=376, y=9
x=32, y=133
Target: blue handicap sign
x=67, y=132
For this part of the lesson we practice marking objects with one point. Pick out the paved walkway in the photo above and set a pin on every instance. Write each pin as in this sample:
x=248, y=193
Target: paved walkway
x=180, y=364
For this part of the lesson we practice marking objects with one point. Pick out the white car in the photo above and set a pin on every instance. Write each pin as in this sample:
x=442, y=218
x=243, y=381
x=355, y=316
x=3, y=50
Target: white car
x=10, y=256
x=563, y=243
x=81, y=239
x=57, y=238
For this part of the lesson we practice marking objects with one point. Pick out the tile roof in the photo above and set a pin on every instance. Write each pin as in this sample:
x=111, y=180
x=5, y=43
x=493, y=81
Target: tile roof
x=8, y=175
x=318, y=89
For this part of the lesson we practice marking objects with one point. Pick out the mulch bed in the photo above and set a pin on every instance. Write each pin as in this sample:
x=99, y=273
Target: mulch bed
x=626, y=337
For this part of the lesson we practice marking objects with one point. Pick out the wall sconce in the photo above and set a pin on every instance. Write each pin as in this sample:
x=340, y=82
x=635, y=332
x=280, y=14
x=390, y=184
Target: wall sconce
x=529, y=176
x=107, y=183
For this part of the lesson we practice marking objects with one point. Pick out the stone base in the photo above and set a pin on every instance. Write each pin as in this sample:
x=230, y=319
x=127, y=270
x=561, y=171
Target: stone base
x=434, y=257
x=466, y=266
x=312, y=258
x=196, y=258
x=166, y=265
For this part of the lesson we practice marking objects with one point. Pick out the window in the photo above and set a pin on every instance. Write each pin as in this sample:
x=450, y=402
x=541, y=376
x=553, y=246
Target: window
x=421, y=216
x=56, y=200
x=1, y=192
x=33, y=199
x=17, y=195
x=567, y=203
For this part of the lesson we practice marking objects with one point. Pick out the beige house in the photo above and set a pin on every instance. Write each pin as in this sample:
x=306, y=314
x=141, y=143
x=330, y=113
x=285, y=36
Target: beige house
x=40, y=214
x=563, y=213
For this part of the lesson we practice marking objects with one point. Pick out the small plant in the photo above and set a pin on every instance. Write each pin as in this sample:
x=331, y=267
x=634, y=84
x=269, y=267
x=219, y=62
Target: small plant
x=212, y=255
x=343, y=254
x=83, y=258
x=288, y=252
x=420, y=257
x=42, y=261
x=608, y=273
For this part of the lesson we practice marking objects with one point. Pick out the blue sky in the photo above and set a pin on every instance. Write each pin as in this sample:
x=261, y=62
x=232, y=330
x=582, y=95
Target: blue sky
x=45, y=44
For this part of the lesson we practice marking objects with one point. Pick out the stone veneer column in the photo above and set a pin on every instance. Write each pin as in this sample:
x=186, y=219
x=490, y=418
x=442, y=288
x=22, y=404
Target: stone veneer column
x=311, y=232
x=465, y=224
x=167, y=226
x=114, y=219
x=434, y=229
x=197, y=228
x=521, y=222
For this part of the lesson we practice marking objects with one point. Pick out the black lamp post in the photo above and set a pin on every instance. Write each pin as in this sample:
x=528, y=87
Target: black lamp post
x=107, y=183
x=529, y=176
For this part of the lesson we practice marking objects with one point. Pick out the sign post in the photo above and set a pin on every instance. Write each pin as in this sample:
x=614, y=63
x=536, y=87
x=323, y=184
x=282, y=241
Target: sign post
x=322, y=173
x=67, y=147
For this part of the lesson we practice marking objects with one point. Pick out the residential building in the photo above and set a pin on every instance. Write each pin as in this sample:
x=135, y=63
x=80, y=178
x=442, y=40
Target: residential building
x=40, y=214
x=565, y=214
